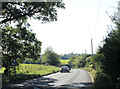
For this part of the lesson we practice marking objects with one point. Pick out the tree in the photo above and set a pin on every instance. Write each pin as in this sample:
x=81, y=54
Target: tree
x=50, y=57
x=19, y=44
x=72, y=58
x=45, y=11
x=111, y=52
x=110, y=59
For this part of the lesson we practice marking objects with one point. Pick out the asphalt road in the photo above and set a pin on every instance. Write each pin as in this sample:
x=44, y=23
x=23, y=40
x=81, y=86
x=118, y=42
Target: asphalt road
x=75, y=79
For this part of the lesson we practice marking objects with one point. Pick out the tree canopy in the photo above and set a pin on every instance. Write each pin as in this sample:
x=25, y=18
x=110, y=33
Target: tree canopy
x=111, y=53
x=45, y=11
x=50, y=57
x=19, y=44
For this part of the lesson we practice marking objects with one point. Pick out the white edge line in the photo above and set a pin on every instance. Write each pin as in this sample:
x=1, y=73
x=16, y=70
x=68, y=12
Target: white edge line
x=91, y=77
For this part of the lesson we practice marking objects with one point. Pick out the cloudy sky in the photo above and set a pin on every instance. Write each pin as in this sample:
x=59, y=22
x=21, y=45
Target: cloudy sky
x=76, y=25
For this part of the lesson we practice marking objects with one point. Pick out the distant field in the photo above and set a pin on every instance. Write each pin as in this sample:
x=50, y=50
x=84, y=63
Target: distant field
x=64, y=61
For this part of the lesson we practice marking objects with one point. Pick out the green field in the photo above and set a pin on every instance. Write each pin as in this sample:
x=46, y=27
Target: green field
x=64, y=61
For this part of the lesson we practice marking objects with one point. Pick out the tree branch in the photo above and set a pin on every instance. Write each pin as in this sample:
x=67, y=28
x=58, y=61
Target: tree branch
x=14, y=18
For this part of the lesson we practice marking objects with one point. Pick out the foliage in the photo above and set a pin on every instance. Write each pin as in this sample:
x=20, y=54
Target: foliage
x=27, y=61
x=45, y=11
x=72, y=58
x=50, y=57
x=109, y=60
x=32, y=61
x=78, y=60
x=18, y=44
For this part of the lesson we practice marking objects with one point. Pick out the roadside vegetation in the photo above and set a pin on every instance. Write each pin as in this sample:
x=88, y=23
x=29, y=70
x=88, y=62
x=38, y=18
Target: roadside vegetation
x=108, y=58
x=27, y=71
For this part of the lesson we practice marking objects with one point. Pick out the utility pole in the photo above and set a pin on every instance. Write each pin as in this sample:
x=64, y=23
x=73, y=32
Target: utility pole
x=92, y=46
x=85, y=51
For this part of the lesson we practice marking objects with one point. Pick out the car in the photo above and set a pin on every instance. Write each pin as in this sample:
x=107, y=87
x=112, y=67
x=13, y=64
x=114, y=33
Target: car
x=68, y=65
x=64, y=69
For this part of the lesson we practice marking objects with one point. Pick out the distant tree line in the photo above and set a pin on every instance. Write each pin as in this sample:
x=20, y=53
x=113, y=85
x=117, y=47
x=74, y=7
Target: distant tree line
x=67, y=56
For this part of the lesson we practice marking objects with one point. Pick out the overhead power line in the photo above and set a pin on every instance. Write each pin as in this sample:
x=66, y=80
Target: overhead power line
x=95, y=27
x=97, y=15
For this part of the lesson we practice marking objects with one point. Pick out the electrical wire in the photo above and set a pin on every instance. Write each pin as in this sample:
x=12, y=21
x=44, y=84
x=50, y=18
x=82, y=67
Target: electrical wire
x=97, y=15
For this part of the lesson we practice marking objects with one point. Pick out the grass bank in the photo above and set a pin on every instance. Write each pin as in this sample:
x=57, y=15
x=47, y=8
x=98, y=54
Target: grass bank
x=28, y=71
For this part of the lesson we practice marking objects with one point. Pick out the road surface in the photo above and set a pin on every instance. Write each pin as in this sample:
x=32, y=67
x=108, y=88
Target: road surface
x=75, y=79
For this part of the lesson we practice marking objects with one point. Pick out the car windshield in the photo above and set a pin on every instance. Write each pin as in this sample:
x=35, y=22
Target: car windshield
x=64, y=67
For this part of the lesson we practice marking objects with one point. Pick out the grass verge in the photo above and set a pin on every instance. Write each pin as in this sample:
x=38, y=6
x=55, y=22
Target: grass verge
x=28, y=71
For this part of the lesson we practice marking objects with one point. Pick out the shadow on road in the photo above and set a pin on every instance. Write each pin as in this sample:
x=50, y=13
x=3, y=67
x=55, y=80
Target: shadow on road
x=82, y=85
x=29, y=84
x=47, y=83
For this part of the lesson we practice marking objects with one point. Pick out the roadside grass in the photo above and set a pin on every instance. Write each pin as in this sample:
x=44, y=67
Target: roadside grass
x=28, y=71
x=35, y=69
x=64, y=61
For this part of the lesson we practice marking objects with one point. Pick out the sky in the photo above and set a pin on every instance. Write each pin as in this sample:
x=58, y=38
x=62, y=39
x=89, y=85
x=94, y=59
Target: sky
x=81, y=21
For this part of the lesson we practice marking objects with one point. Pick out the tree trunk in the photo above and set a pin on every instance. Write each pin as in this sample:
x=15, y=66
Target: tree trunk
x=6, y=71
